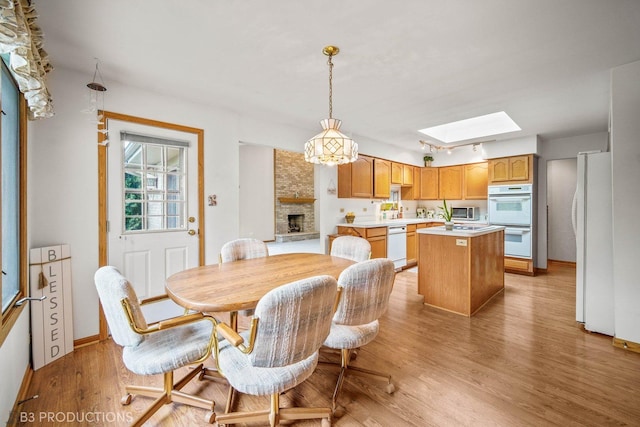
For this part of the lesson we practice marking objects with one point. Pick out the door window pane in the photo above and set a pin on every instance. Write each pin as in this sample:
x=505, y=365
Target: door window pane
x=154, y=174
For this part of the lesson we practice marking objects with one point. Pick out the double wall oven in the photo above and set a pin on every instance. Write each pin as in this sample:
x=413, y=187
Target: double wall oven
x=512, y=206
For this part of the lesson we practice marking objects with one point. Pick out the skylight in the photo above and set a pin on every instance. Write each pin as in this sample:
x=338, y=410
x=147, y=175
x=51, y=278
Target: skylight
x=475, y=127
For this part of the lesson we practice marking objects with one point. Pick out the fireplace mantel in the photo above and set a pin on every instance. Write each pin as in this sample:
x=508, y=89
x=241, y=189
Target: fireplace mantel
x=296, y=200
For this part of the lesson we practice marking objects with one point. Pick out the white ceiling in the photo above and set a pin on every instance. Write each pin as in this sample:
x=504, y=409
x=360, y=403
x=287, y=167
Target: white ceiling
x=402, y=66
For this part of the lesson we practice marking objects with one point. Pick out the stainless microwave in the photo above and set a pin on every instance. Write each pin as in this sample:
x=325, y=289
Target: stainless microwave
x=465, y=213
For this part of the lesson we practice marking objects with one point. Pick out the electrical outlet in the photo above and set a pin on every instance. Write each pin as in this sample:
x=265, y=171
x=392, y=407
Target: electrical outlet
x=341, y=210
x=364, y=209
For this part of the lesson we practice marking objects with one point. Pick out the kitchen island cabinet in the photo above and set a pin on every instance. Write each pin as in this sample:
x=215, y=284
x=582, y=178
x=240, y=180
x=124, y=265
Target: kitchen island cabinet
x=462, y=269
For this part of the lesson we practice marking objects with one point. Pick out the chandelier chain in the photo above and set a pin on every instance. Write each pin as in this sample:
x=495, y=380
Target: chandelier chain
x=330, y=87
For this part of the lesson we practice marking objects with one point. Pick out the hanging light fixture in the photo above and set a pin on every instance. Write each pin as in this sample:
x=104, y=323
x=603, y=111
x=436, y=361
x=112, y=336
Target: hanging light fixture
x=330, y=147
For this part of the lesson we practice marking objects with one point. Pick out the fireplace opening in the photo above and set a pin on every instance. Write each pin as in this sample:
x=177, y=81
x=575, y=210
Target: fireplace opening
x=295, y=223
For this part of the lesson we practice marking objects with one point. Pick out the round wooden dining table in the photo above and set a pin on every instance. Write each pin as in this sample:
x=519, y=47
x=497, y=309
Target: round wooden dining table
x=239, y=285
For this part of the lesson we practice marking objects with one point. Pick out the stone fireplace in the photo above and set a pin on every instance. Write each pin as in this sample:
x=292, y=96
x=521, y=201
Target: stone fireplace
x=294, y=191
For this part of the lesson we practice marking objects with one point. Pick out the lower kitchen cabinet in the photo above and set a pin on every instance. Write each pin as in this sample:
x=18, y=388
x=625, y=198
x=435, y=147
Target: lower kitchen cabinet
x=412, y=244
x=519, y=266
x=377, y=237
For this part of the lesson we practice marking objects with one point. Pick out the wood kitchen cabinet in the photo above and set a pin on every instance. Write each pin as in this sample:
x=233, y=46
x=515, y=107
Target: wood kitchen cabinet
x=412, y=192
x=401, y=174
x=407, y=175
x=381, y=178
x=356, y=179
x=428, y=184
x=506, y=170
x=450, y=182
x=377, y=237
x=412, y=244
x=475, y=181
x=396, y=173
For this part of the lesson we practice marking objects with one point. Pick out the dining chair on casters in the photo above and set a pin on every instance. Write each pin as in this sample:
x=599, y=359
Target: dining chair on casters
x=351, y=247
x=364, y=290
x=280, y=350
x=157, y=348
x=245, y=248
x=238, y=249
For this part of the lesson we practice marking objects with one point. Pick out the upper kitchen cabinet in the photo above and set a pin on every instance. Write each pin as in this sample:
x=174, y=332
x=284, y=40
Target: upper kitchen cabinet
x=428, y=183
x=396, y=173
x=356, y=179
x=476, y=178
x=450, y=182
x=412, y=192
x=401, y=174
x=407, y=175
x=382, y=178
x=507, y=170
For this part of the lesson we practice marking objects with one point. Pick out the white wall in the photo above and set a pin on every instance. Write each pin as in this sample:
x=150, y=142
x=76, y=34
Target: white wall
x=625, y=151
x=63, y=181
x=563, y=148
x=14, y=355
x=561, y=187
x=256, y=192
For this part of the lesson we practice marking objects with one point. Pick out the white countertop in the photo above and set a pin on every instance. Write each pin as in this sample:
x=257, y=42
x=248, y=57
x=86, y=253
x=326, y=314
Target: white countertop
x=401, y=221
x=463, y=230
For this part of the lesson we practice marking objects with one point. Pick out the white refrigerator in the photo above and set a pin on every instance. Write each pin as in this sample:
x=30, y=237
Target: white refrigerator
x=594, y=243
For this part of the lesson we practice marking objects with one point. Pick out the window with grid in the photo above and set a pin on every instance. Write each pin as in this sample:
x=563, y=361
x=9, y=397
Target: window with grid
x=154, y=183
x=10, y=166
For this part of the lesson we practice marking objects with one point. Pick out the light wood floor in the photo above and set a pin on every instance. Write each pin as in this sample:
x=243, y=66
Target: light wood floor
x=521, y=361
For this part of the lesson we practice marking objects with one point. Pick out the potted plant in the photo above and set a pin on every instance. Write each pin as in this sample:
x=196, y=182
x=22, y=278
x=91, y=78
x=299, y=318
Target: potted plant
x=447, y=213
x=427, y=160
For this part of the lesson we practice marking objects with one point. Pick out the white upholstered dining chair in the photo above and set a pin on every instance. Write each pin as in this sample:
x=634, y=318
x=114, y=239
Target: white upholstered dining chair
x=280, y=350
x=244, y=248
x=158, y=348
x=364, y=289
x=351, y=247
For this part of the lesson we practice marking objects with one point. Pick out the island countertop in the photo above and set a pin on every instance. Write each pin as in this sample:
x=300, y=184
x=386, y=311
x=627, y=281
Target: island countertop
x=462, y=230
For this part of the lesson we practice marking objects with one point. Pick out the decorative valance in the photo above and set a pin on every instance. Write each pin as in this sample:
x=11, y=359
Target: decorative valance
x=22, y=39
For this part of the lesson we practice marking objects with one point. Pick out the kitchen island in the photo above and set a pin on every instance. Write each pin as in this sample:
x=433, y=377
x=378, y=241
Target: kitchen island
x=460, y=270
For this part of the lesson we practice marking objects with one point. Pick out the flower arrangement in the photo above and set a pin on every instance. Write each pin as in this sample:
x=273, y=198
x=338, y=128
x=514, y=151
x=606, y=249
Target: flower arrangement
x=427, y=160
x=350, y=217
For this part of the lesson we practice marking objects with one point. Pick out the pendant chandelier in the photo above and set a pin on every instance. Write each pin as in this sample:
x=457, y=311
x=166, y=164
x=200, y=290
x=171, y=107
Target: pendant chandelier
x=330, y=147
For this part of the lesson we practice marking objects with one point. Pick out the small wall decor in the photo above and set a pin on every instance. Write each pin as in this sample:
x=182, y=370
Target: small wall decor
x=331, y=189
x=212, y=200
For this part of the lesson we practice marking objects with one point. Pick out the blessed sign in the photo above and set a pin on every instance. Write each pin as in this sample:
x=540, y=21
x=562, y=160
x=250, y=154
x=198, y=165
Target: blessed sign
x=51, y=319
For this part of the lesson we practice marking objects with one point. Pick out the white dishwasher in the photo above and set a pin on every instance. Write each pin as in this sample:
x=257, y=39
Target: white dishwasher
x=397, y=245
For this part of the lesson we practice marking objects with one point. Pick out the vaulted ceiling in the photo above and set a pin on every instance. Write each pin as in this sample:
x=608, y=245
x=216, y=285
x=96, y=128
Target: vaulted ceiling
x=402, y=66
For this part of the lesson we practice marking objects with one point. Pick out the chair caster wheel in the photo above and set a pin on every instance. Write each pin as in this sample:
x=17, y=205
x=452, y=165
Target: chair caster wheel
x=126, y=399
x=390, y=388
x=326, y=422
x=210, y=418
x=339, y=411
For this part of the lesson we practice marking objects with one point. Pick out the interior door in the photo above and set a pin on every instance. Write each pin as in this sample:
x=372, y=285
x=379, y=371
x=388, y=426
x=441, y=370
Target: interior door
x=153, y=205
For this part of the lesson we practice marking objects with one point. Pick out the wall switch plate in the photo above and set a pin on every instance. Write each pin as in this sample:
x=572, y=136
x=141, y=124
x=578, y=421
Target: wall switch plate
x=461, y=242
